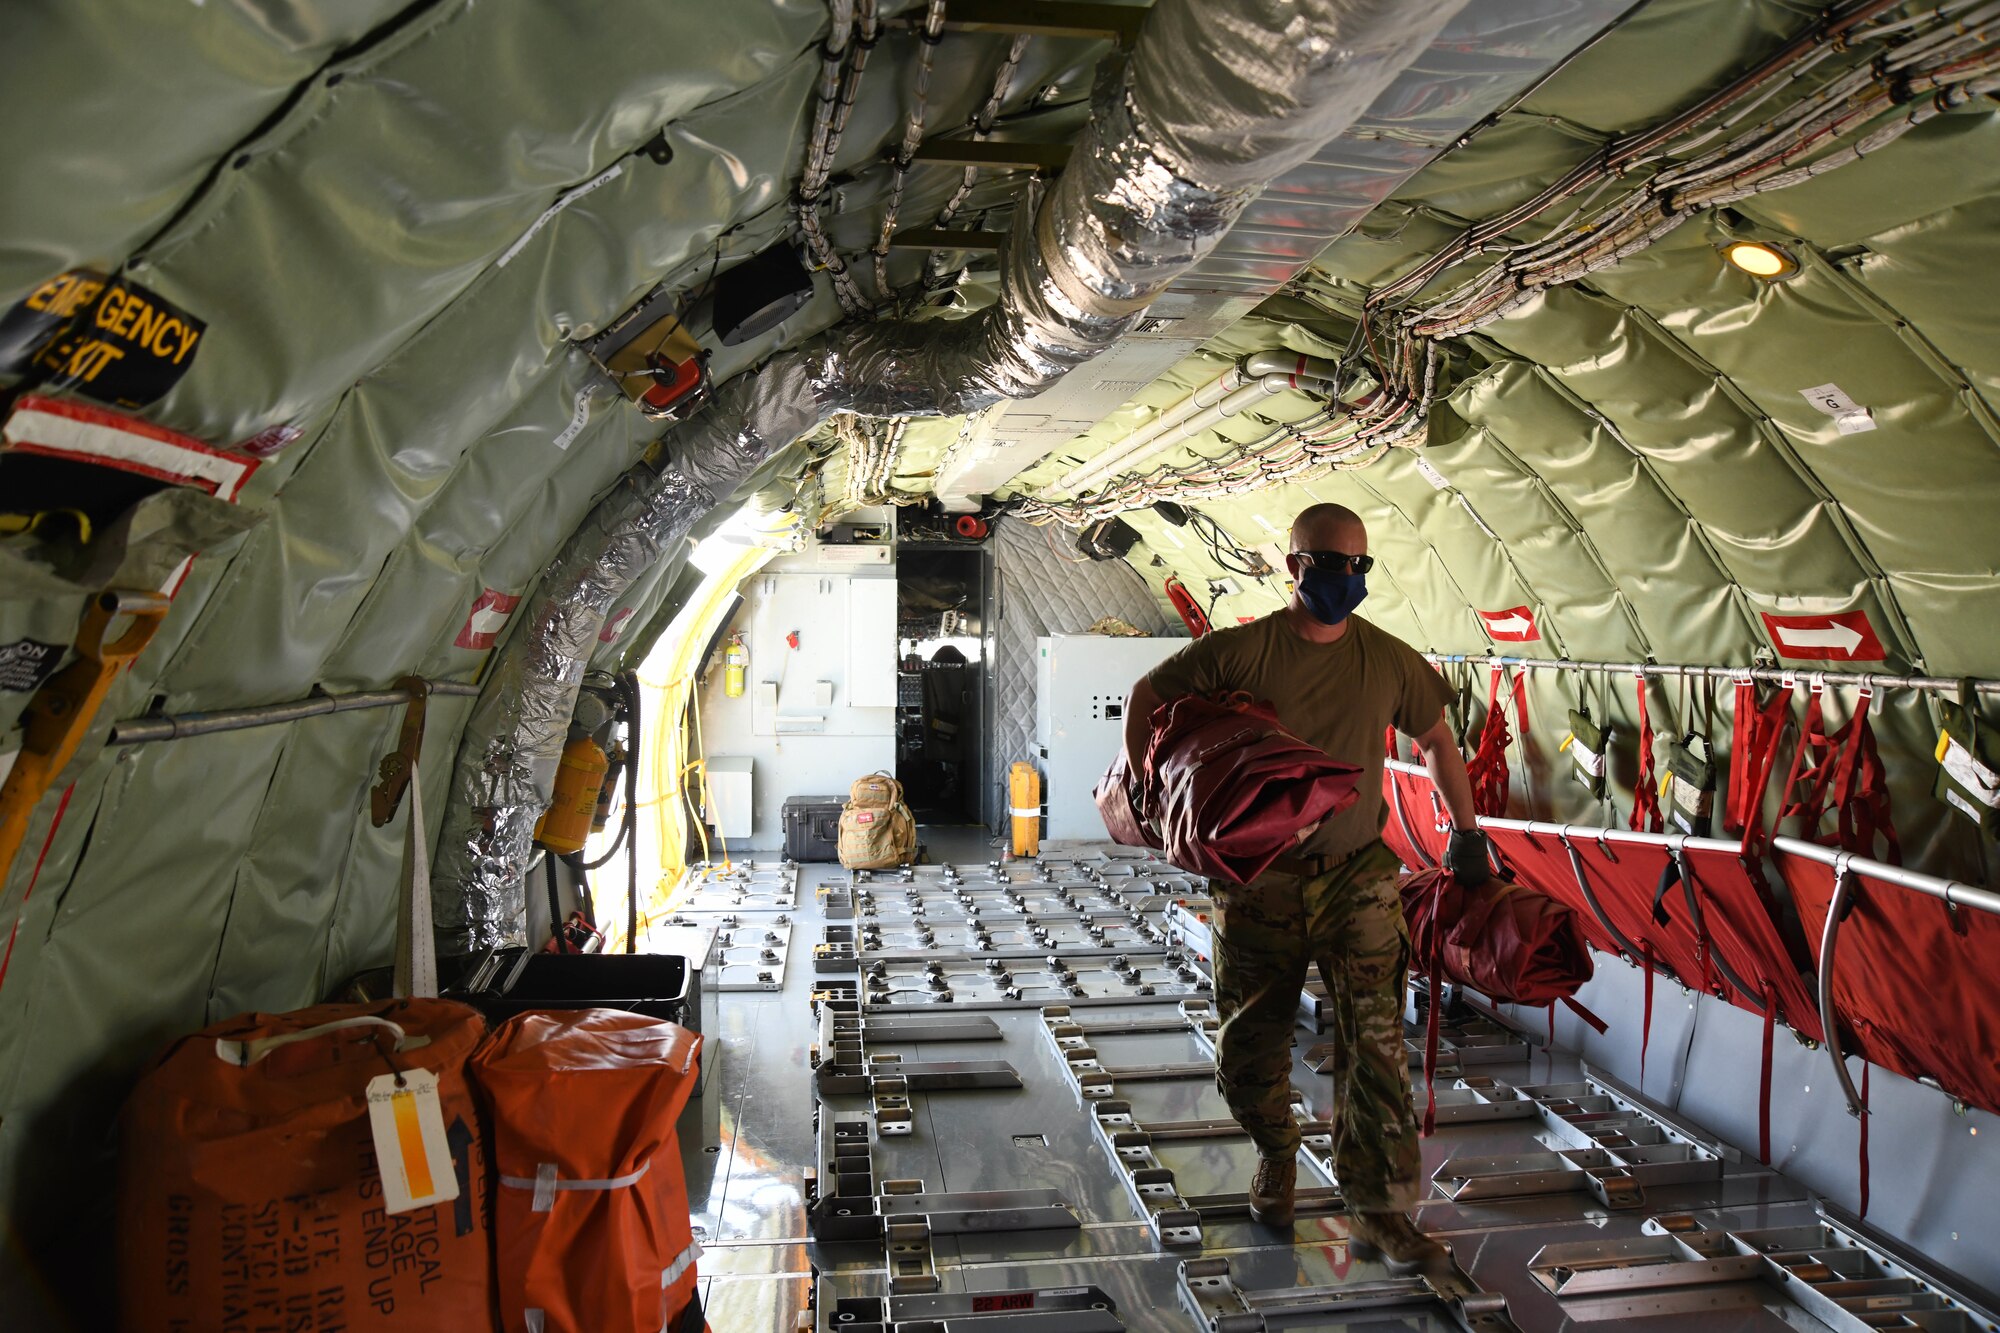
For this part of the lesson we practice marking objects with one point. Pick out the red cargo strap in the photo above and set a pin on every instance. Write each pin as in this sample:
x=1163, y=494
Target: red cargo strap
x=1753, y=750
x=1841, y=772
x=1764, y=1078
x=1571, y=1003
x=1861, y=790
x=1434, y=977
x=48, y=840
x=1646, y=816
x=1389, y=742
x=1488, y=766
x=1646, y=1010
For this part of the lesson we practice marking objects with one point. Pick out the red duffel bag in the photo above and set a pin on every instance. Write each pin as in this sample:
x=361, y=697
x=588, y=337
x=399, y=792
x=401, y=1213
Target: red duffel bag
x=251, y=1182
x=591, y=1228
x=1119, y=800
x=1504, y=939
x=1231, y=788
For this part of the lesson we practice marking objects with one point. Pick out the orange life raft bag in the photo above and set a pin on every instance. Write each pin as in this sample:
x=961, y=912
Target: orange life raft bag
x=276, y=1174
x=591, y=1231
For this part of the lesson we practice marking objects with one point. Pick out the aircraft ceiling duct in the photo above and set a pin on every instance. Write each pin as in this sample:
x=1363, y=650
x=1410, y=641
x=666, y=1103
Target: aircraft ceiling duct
x=1217, y=100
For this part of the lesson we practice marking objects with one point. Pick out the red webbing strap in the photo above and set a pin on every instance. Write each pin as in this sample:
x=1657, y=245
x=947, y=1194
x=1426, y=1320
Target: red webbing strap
x=1575, y=1006
x=1861, y=790
x=1753, y=754
x=1431, y=1058
x=1434, y=968
x=1864, y=1136
x=1764, y=1079
x=47, y=841
x=1389, y=742
x=1646, y=1012
x=1808, y=784
x=1646, y=816
x=1488, y=766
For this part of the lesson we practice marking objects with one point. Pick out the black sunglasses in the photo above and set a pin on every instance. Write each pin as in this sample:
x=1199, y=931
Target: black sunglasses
x=1337, y=562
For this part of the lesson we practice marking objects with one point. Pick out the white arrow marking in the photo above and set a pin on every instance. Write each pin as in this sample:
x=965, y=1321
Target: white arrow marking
x=1510, y=625
x=487, y=620
x=1834, y=635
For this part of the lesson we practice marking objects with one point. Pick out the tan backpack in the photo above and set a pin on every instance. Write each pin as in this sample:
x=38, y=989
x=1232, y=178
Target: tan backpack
x=876, y=829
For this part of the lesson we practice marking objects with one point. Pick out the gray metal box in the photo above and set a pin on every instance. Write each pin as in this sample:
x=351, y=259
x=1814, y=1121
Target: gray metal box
x=1081, y=681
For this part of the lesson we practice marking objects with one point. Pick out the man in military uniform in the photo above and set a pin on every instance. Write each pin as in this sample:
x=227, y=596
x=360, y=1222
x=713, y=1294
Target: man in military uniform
x=1338, y=682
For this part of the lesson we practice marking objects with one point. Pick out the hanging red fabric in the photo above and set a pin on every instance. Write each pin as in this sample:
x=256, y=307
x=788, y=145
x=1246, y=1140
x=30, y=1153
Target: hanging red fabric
x=1488, y=766
x=1753, y=751
x=1841, y=772
x=1646, y=815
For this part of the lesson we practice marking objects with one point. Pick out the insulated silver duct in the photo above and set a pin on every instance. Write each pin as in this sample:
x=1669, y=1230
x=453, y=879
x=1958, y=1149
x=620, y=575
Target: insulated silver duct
x=1216, y=100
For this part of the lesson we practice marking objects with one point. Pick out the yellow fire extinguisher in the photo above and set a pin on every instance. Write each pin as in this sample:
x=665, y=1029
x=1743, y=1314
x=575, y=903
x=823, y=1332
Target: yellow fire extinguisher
x=565, y=825
x=735, y=662
x=1024, y=803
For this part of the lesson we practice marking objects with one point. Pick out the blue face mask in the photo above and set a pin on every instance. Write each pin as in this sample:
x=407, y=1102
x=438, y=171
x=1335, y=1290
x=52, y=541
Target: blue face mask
x=1331, y=598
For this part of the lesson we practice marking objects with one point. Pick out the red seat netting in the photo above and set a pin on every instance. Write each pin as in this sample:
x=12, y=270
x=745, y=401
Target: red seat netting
x=1912, y=985
x=1735, y=952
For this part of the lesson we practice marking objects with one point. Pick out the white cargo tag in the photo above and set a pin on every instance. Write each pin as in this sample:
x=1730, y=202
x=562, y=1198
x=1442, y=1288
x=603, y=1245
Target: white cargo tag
x=1849, y=417
x=1432, y=475
x=410, y=1146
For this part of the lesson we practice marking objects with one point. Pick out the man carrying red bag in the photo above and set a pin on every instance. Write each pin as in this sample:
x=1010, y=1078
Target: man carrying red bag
x=1336, y=681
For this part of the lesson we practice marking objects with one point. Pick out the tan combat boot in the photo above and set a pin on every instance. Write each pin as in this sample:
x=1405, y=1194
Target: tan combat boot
x=1272, y=1190
x=1394, y=1239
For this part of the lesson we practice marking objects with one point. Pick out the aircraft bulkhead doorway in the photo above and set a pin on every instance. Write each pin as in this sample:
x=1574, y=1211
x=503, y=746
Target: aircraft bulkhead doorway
x=940, y=682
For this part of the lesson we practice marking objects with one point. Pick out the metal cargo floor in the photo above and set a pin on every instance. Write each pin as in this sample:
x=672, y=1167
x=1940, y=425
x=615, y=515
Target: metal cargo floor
x=1104, y=1191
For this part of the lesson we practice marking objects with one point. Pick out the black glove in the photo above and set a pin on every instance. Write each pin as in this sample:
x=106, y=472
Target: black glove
x=1466, y=858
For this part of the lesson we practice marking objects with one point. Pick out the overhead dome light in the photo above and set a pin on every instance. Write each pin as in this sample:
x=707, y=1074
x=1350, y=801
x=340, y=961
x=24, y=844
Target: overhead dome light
x=1760, y=260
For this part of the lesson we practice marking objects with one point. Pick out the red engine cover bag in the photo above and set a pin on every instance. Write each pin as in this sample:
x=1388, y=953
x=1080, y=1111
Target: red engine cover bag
x=1230, y=788
x=1505, y=940
x=1118, y=800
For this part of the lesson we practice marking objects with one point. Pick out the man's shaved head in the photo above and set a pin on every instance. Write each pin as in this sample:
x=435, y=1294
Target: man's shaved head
x=1329, y=527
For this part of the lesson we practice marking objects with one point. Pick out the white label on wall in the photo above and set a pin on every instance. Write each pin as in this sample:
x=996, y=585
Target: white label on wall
x=1849, y=417
x=576, y=421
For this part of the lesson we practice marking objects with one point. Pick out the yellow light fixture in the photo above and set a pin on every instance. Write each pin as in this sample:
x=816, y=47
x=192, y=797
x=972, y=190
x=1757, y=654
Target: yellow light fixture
x=1760, y=260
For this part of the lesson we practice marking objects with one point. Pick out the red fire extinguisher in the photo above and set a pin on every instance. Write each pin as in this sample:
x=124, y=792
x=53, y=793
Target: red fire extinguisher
x=1192, y=615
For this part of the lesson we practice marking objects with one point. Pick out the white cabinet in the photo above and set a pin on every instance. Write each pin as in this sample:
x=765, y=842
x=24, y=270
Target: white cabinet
x=871, y=643
x=730, y=807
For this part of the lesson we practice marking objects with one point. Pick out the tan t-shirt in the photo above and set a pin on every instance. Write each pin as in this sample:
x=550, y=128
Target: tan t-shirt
x=1340, y=696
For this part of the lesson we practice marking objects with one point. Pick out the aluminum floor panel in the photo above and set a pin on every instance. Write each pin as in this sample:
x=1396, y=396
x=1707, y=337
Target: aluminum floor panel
x=750, y=1195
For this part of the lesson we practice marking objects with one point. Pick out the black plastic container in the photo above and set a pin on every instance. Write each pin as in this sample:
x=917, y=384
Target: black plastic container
x=812, y=827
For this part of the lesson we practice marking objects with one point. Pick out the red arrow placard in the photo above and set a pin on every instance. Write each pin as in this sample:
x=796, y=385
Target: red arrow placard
x=1843, y=637
x=614, y=626
x=487, y=618
x=1514, y=625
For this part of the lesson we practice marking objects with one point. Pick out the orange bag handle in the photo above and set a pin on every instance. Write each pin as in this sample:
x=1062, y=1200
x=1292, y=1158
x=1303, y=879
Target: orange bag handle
x=246, y=1053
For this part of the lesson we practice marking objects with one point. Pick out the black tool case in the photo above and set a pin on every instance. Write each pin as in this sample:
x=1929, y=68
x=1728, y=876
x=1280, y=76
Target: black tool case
x=812, y=827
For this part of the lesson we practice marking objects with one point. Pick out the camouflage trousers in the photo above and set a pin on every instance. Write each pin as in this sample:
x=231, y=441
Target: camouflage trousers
x=1348, y=922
